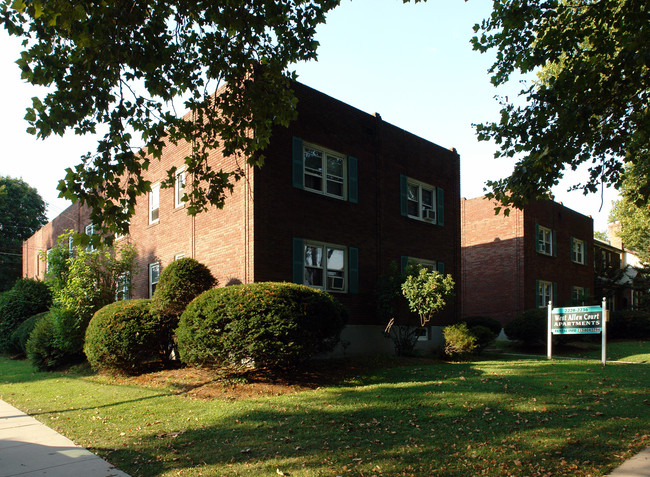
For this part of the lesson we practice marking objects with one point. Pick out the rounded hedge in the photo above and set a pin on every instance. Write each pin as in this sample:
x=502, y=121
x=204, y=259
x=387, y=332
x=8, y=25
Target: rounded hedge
x=629, y=324
x=274, y=325
x=25, y=299
x=459, y=341
x=124, y=336
x=21, y=334
x=180, y=282
x=53, y=341
x=493, y=325
x=530, y=327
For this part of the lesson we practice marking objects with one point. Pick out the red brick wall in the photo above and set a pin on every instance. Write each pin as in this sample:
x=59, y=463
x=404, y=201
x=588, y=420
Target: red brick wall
x=492, y=261
x=501, y=264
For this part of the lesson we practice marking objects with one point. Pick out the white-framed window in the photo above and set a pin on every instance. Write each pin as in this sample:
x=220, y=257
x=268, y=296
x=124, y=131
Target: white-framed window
x=154, y=276
x=179, y=187
x=544, y=240
x=178, y=256
x=325, y=171
x=70, y=244
x=154, y=204
x=577, y=251
x=123, y=287
x=90, y=231
x=325, y=266
x=544, y=293
x=578, y=295
x=48, y=252
x=421, y=201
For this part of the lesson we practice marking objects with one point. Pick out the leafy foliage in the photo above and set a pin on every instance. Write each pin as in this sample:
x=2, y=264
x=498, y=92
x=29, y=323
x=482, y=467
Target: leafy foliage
x=125, y=336
x=459, y=341
x=22, y=212
x=530, y=327
x=122, y=69
x=634, y=218
x=629, y=324
x=21, y=334
x=274, y=325
x=490, y=323
x=589, y=104
x=179, y=283
x=427, y=292
x=25, y=299
x=55, y=341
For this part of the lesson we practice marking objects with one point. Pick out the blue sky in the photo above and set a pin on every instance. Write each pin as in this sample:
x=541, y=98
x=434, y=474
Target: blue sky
x=412, y=63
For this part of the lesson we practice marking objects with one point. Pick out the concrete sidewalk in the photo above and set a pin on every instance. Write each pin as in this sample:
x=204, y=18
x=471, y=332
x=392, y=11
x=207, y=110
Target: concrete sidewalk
x=29, y=449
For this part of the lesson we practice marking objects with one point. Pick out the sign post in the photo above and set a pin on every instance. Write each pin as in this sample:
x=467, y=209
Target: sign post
x=549, y=334
x=604, y=333
x=577, y=320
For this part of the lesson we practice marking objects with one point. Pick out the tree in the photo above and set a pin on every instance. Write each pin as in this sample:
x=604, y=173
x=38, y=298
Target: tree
x=634, y=219
x=590, y=102
x=22, y=212
x=121, y=68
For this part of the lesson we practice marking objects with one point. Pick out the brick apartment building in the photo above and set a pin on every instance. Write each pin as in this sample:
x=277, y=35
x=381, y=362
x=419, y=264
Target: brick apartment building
x=521, y=261
x=342, y=194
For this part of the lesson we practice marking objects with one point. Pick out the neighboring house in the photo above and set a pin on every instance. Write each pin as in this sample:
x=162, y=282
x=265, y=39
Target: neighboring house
x=524, y=260
x=341, y=195
x=617, y=272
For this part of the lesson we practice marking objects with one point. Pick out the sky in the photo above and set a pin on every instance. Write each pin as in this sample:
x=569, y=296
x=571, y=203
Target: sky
x=411, y=63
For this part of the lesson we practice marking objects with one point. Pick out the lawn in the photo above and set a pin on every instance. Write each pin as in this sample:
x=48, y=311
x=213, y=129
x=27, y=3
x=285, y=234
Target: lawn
x=499, y=417
x=627, y=351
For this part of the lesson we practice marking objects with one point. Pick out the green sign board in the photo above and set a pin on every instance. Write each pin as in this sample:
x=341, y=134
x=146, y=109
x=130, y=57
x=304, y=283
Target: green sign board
x=577, y=320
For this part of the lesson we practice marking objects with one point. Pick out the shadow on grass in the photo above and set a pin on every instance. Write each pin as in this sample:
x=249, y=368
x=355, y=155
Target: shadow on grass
x=522, y=417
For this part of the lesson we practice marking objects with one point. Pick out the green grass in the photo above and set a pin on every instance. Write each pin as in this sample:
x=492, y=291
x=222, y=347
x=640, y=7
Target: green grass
x=628, y=351
x=502, y=417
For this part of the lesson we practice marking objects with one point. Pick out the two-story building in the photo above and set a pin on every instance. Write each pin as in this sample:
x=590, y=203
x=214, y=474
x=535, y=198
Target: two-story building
x=523, y=260
x=341, y=195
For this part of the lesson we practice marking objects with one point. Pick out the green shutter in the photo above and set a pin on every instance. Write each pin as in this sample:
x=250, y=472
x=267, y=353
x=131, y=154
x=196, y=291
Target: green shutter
x=440, y=204
x=537, y=238
x=403, y=263
x=297, y=162
x=554, y=296
x=353, y=270
x=586, y=295
x=403, y=194
x=298, y=261
x=441, y=267
x=353, y=183
x=554, y=242
x=584, y=252
x=538, y=298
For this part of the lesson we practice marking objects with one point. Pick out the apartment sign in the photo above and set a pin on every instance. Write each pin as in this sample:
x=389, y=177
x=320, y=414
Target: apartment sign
x=577, y=320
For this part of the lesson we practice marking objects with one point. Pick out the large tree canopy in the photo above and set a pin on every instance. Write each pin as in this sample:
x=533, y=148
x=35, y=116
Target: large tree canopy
x=590, y=103
x=22, y=212
x=116, y=68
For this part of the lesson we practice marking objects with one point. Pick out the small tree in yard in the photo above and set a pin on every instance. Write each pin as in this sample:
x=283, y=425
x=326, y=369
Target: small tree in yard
x=427, y=292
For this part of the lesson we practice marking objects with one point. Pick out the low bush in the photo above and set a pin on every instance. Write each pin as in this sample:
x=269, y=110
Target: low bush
x=274, y=325
x=180, y=282
x=484, y=336
x=25, y=299
x=124, y=336
x=21, y=334
x=52, y=343
x=459, y=341
x=530, y=327
x=629, y=324
x=493, y=325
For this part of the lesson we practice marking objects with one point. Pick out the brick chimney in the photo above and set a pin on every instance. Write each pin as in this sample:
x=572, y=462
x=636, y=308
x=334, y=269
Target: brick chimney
x=612, y=234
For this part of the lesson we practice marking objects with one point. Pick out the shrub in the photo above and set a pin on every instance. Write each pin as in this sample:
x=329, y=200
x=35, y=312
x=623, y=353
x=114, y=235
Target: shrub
x=26, y=298
x=50, y=345
x=124, y=336
x=484, y=336
x=530, y=327
x=276, y=325
x=180, y=282
x=21, y=334
x=629, y=324
x=459, y=341
x=493, y=325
